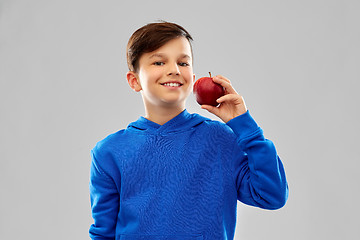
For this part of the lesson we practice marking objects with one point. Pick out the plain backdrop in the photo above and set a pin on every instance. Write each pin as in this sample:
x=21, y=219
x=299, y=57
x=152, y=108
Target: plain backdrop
x=63, y=88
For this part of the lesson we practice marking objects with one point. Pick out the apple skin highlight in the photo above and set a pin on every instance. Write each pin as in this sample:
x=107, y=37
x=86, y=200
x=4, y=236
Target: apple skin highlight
x=206, y=91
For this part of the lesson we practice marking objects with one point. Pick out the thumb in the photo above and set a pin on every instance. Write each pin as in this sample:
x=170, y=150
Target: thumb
x=212, y=109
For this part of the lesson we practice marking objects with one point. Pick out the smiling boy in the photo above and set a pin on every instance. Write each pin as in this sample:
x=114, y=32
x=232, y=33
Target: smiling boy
x=173, y=175
x=165, y=79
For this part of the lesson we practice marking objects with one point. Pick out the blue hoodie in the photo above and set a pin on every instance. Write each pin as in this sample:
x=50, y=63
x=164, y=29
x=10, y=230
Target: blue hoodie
x=182, y=180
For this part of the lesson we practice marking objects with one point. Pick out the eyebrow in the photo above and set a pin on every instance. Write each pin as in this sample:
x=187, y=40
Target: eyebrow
x=162, y=55
x=185, y=56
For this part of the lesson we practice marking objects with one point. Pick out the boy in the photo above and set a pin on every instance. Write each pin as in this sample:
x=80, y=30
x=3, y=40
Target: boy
x=173, y=175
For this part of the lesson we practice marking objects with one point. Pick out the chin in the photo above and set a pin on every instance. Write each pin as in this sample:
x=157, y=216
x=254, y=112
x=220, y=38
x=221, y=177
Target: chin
x=173, y=102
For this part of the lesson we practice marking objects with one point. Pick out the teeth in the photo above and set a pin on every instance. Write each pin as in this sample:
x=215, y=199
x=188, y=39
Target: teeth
x=172, y=84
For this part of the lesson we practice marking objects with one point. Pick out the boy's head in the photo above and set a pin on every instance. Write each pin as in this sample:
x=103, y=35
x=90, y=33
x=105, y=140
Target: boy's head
x=151, y=37
x=159, y=57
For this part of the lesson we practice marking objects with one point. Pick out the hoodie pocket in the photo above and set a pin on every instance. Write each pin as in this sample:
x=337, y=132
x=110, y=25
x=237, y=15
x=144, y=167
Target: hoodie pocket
x=160, y=237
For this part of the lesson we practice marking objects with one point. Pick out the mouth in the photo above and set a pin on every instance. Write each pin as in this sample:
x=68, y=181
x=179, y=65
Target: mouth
x=172, y=84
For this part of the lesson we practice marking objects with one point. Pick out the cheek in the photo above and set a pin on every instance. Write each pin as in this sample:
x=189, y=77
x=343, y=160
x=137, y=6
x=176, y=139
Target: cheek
x=156, y=74
x=188, y=75
x=149, y=76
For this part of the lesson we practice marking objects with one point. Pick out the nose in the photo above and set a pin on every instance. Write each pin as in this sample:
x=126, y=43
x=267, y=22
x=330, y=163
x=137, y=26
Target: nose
x=173, y=69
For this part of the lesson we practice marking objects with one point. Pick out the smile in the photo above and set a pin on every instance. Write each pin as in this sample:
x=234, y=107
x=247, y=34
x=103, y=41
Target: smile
x=172, y=84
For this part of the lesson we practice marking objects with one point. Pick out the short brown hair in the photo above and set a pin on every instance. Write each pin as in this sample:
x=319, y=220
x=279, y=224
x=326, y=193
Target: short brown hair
x=151, y=37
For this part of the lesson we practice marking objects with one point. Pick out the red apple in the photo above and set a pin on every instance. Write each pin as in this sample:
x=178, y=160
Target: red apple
x=207, y=91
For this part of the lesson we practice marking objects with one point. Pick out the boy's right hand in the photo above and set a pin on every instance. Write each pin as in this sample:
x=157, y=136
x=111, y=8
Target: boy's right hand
x=231, y=104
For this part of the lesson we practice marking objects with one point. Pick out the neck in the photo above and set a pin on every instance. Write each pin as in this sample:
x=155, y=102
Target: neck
x=161, y=115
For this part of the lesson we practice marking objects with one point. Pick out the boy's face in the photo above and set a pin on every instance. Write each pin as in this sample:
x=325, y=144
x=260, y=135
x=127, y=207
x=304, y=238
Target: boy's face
x=165, y=76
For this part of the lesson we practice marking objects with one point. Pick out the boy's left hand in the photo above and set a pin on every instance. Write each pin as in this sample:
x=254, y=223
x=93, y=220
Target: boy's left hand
x=231, y=104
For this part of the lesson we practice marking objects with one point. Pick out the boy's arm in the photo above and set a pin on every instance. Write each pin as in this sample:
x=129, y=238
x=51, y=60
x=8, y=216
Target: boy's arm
x=260, y=175
x=104, y=199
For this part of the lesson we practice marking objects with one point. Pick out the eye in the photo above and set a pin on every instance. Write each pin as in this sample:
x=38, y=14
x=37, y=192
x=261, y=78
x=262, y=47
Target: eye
x=184, y=64
x=158, y=63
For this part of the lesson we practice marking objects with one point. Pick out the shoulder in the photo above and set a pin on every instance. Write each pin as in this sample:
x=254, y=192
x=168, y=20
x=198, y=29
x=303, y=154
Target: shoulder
x=212, y=124
x=216, y=128
x=105, y=153
x=107, y=145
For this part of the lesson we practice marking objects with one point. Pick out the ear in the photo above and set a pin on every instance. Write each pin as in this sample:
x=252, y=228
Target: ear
x=133, y=81
x=194, y=78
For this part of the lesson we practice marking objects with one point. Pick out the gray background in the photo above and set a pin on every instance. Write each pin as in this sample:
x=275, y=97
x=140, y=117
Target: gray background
x=63, y=88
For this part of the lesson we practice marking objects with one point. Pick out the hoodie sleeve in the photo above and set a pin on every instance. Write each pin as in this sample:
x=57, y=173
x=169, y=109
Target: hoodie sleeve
x=259, y=172
x=104, y=199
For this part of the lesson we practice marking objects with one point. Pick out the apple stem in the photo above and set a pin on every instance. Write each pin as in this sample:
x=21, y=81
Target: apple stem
x=210, y=74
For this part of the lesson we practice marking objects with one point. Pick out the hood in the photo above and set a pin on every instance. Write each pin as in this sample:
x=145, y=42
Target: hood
x=182, y=122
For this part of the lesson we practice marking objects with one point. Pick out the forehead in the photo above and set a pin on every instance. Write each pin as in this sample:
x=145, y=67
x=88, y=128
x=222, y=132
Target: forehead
x=178, y=47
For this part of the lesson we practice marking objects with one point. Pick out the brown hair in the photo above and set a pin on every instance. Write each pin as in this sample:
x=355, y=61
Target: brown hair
x=151, y=37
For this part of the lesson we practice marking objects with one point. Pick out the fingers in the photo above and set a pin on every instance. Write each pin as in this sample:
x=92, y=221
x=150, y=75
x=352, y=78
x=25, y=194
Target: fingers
x=234, y=98
x=230, y=93
x=225, y=83
x=223, y=78
x=231, y=104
